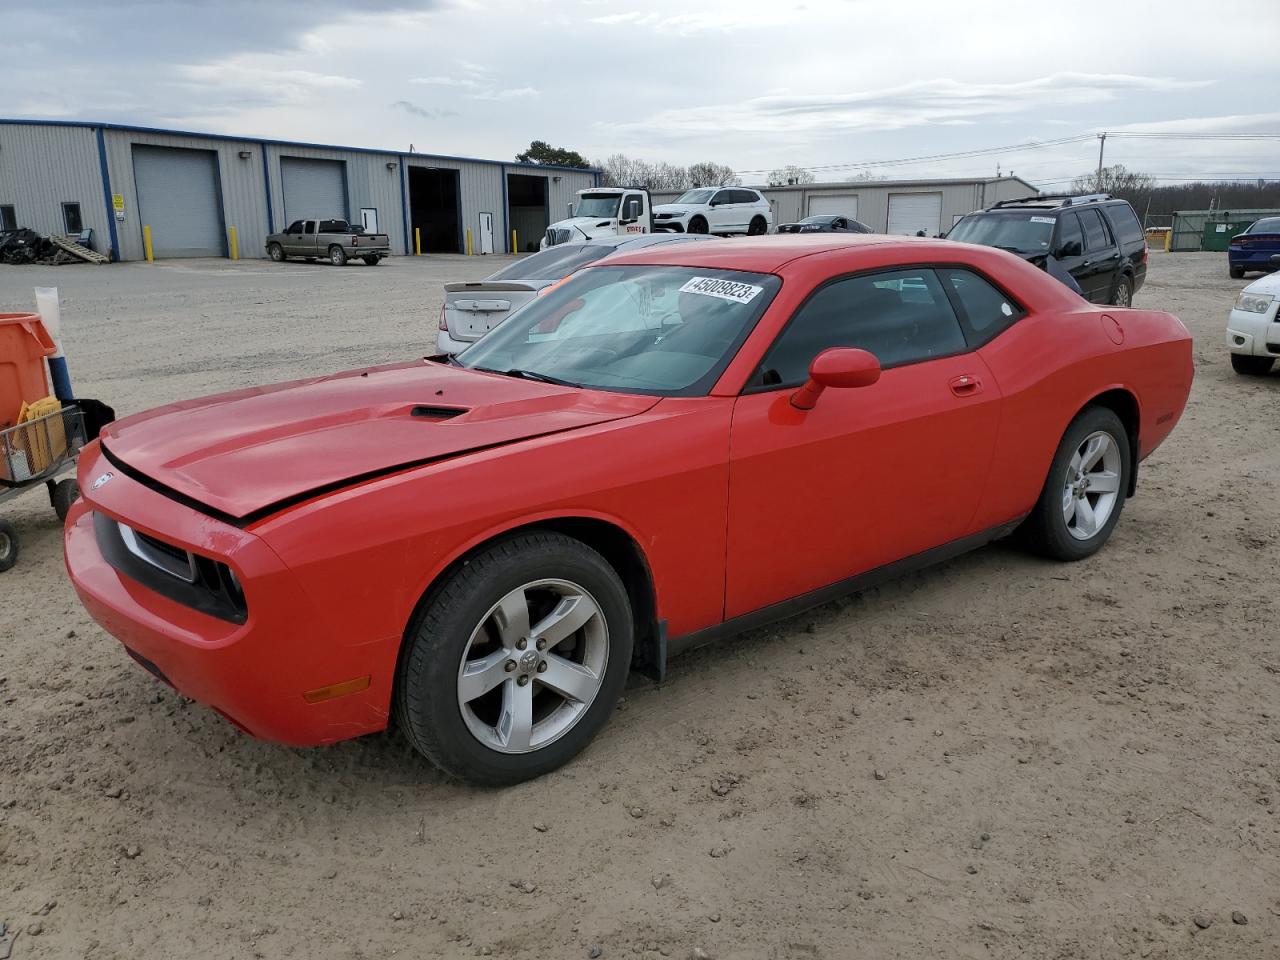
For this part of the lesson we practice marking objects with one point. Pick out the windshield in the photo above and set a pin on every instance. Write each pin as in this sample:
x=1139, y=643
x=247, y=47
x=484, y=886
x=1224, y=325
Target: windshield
x=1269, y=225
x=603, y=205
x=1020, y=232
x=659, y=330
x=554, y=263
x=824, y=218
x=694, y=196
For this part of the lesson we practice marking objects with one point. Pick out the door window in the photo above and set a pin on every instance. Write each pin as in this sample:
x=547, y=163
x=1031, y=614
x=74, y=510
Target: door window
x=984, y=309
x=1070, y=236
x=902, y=316
x=1095, y=232
x=724, y=196
x=71, y=217
x=8, y=217
x=295, y=227
x=309, y=227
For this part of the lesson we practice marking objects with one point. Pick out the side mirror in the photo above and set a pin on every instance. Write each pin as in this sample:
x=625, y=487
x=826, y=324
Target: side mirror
x=836, y=367
x=633, y=210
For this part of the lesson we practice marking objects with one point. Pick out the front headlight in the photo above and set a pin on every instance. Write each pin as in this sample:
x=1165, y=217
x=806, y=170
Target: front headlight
x=1254, y=302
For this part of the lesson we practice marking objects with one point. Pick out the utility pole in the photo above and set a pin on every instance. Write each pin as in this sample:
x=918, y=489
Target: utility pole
x=1102, y=143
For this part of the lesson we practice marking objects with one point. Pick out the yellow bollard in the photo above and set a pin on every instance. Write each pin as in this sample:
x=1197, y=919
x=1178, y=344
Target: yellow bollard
x=146, y=243
x=417, y=241
x=1168, y=240
x=515, y=247
x=469, y=242
x=235, y=246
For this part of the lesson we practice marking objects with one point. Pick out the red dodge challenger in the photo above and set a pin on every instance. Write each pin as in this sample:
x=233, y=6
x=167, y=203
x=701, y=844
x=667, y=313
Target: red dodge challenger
x=686, y=442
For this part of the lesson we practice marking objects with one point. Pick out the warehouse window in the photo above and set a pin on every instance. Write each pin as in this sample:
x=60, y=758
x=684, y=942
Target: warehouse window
x=8, y=217
x=71, y=218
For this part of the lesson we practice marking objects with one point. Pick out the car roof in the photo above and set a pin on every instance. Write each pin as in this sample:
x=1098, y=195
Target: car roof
x=765, y=254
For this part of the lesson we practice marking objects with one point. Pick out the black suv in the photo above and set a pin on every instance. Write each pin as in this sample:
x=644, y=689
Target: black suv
x=1096, y=239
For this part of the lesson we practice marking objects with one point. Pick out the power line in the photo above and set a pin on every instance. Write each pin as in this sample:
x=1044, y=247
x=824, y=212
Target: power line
x=1030, y=145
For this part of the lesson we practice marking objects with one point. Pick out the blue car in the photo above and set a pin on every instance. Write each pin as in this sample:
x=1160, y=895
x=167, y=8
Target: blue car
x=1255, y=248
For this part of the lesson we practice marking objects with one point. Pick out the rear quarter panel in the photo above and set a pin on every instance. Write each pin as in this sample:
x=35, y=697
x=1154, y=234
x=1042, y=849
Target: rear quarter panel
x=1052, y=364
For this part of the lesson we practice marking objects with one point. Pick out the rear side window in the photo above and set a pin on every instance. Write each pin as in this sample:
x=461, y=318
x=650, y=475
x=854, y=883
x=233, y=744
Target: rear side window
x=746, y=196
x=8, y=217
x=1095, y=232
x=984, y=308
x=1124, y=223
x=902, y=316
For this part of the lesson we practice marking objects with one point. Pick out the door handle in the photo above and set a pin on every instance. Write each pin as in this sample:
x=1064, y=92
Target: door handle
x=966, y=386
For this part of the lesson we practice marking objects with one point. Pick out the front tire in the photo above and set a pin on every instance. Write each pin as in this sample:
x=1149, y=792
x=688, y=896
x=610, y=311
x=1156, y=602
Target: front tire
x=697, y=225
x=1085, y=490
x=757, y=227
x=516, y=661
x=337, y=256
x=275, y=252
x=1122, y=296
x=1248, y=366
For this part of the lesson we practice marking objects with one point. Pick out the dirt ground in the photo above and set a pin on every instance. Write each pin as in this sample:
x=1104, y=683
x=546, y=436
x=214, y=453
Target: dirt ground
x=999, y=757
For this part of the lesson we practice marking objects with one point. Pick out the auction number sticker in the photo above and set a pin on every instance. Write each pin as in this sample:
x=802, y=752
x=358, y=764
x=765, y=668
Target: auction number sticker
x=730, y=290
x=1042, y=219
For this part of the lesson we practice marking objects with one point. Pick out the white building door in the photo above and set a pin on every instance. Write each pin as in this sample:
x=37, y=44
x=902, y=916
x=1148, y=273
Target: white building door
x=369, y=219
x=837, y=204
x=486, y=233
x=909, y=213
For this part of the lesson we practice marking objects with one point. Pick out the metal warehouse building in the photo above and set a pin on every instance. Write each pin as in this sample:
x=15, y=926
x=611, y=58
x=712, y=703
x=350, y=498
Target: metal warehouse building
x=890, y=206
x=62, y=177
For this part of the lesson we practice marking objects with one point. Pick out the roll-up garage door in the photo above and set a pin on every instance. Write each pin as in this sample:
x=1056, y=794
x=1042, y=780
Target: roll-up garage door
x=909, y=213
x=313, y=189
x=179, y=199
x=840, y=205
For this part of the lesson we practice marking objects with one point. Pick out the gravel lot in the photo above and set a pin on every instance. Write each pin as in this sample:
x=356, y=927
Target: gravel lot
x=998, y=757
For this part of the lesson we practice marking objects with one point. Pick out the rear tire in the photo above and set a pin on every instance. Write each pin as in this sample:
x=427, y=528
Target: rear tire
x=1237, y=273
x=476, y=691
x=371, y=261
x=8, y=545
x=275, y=252
x=1085, y=490
x=757, y=227
x=337, y=256
x=1122, y=296
x=697, y=225
x=1251, y=366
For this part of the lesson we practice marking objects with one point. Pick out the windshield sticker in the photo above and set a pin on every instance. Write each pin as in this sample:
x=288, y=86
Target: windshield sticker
x=1042, y=219
x=729, y=290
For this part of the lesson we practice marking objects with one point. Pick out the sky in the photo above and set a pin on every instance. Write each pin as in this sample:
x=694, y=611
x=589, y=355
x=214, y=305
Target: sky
x=848, y=87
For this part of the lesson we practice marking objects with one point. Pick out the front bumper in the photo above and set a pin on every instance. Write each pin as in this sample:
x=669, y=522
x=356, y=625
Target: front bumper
x=674, y=225
x=1254, y=334
x=254, y=673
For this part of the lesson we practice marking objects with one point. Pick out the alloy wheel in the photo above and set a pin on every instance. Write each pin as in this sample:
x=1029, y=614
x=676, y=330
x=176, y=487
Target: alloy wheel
x=533, y=666
x=1092, y=485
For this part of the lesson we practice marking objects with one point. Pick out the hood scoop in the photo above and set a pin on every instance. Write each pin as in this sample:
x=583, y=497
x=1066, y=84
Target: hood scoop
x=436, y=413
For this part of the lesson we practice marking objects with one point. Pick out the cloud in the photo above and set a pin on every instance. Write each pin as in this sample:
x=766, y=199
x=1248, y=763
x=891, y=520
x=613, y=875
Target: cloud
x=704, y=21
x=427, y=113
x=1234, y=123
x=478, y=82
x=939, y=101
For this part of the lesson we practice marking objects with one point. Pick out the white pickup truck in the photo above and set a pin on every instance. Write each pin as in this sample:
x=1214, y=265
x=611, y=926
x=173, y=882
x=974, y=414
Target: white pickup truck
x=603, y=212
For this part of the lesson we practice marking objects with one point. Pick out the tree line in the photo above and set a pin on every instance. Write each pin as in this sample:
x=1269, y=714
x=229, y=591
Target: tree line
x=1157, y=202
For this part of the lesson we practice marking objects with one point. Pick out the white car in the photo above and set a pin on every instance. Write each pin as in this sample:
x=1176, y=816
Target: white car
x=1253, y=329
x=721, y=210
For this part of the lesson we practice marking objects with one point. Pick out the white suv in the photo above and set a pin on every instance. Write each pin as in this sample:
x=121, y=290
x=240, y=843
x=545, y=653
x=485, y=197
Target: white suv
x=721, y=210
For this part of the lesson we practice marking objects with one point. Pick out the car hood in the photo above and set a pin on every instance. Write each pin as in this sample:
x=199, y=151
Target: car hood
x=244, y=455
x=677, y=208
x=1268, y=284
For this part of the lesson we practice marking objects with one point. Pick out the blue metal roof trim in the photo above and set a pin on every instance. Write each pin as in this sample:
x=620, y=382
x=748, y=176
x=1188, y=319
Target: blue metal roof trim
x=289, y=143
